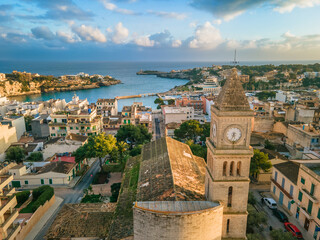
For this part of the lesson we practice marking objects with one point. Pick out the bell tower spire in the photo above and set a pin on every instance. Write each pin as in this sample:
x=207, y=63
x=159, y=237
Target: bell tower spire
x=229, y=155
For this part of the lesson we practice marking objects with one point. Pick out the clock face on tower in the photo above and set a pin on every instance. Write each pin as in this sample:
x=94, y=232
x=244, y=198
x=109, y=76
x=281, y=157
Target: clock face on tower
x=233, y=134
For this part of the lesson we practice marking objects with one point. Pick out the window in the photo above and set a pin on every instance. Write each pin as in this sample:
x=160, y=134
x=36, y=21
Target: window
x=53, y=134
x=276, y=176
x=225, y=169
x=129, y=121
x=125, y=121
x=318, y=213
x=300, y=196
x=289, y=205
x=55, y=120
x=310, y=204
x=42, y=181
x=26, y=182
x=230, y=197
x=283, y=182
x=303, y=181
x=274, y=189
x=52, y=128
x=64, y=120
x=50, y=181
x=231, y=168
x=238, y=168
x=312, y=189
x=77, y=128
x=291, y=190
x=228, y=225
x=71, y=128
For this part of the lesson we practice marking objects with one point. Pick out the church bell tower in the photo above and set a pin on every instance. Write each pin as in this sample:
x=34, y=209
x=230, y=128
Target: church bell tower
x=229, y=155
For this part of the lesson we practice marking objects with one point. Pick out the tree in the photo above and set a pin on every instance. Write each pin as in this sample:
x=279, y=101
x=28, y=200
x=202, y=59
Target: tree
x=122, y=148
x=15, y=154
x=259, y=161
x=171, y=102
x=101, y=145
x=255, y=219
x=27, y=120
x=251, y=199
x=80, y=154
x=197, y=149
x=36, y=157
x=133, y=135
x=188, y=130
x=278, y=234
x=254, y=236
x=268, y=145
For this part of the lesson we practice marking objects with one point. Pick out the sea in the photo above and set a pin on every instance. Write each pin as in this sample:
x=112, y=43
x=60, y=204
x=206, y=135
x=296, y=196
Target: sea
x=132, y=83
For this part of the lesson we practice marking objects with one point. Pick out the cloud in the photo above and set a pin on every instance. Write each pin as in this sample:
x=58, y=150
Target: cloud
x=206, y=37
x=113, y=7
x=120, y=34
x=62, y=10
x=217, y=21
x=233, y=8
x=42, y=32
x=14, y=37
x=175, y=15
x=144, y=41
x=67, y=37
x=176, y=43
x=88, y=33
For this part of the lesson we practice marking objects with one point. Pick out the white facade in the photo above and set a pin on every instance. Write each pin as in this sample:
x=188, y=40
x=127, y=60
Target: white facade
x=178, y=114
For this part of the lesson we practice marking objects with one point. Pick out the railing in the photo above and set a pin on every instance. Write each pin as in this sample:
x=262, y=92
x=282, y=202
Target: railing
x=14, y=232
x=311, y=197
x=9, y=220
x=12, y=199
x=281, y=188
x=306, y=213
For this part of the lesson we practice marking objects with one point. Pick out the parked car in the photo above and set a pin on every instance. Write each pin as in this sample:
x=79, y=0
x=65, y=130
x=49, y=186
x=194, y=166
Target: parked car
x=270, y=202
x=293, y=230
x=280, y=215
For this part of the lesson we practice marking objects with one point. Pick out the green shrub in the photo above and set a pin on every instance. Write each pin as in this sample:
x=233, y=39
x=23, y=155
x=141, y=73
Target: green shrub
x=115, y=188
x=91, y=199
x=38, y=191
x=22, y=197
x=45, y=196
x=35, y=157
x=251, y=199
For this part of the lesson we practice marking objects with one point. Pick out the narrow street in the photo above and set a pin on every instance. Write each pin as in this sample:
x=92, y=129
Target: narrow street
x=70, y=195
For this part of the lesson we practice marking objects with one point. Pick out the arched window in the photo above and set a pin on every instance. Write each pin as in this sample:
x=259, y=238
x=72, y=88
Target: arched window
x=230, y=196
x=239, y=168
x=225, y=169
x=228, y=225
x=231, y=168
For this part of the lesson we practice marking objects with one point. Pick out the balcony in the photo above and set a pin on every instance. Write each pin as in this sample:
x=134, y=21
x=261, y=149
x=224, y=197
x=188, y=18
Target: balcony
x=7, y=192
x=4, y=181
x=13, y=232
x=305, y=212
x=9, y=220
x=6, y=205
x=281, y=188
x=309, y=196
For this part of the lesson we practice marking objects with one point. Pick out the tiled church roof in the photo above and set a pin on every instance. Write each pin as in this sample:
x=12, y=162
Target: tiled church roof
x=232, y=96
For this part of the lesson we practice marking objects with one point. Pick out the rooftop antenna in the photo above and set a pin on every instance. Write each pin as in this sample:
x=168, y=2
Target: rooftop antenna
x=235, y=62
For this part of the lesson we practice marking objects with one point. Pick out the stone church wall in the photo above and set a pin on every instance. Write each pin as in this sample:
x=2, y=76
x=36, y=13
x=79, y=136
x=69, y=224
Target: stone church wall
x=202, y=225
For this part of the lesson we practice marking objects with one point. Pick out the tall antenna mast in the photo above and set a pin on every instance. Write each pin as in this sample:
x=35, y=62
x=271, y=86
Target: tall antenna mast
x=235, y=62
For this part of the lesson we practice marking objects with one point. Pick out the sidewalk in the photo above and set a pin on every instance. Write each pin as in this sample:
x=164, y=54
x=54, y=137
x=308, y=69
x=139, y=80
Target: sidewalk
x=44, y=219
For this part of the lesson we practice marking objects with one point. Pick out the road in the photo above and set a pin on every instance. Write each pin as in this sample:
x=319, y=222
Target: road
x=72, y=195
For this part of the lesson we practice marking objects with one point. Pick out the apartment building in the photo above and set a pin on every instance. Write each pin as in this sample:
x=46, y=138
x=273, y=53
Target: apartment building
x=198, y=103
x=302, y=136
x=8, y=213
x=295, y=185
x=107, y=107
x=84, y=122
x=8, y=135
x=15, y=121
x=177, y=114
x=137, y=114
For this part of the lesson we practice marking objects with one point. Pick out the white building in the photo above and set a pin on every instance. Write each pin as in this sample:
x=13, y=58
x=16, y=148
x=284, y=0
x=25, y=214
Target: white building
x=177, y=114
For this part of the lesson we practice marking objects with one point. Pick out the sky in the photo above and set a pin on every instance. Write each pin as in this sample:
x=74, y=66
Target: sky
x=159, y=30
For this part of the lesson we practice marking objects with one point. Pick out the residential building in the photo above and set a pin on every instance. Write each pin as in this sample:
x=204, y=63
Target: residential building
x=2, y=77
x=59, y=172
x=260, y=79
x=8, y=135
x=197, y=102
x=244, y=78
x=40, y=126
x=15, y=121
x=302, y=136
x=137, y=114
x=177, y=114
x=107, y=107
x=170, y=127
x=84, y=122
x=112, y=124
x=295, y=185
x=8, y=213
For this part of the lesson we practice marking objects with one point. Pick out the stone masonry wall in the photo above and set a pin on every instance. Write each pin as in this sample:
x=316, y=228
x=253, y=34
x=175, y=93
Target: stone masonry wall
x=206, y=225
